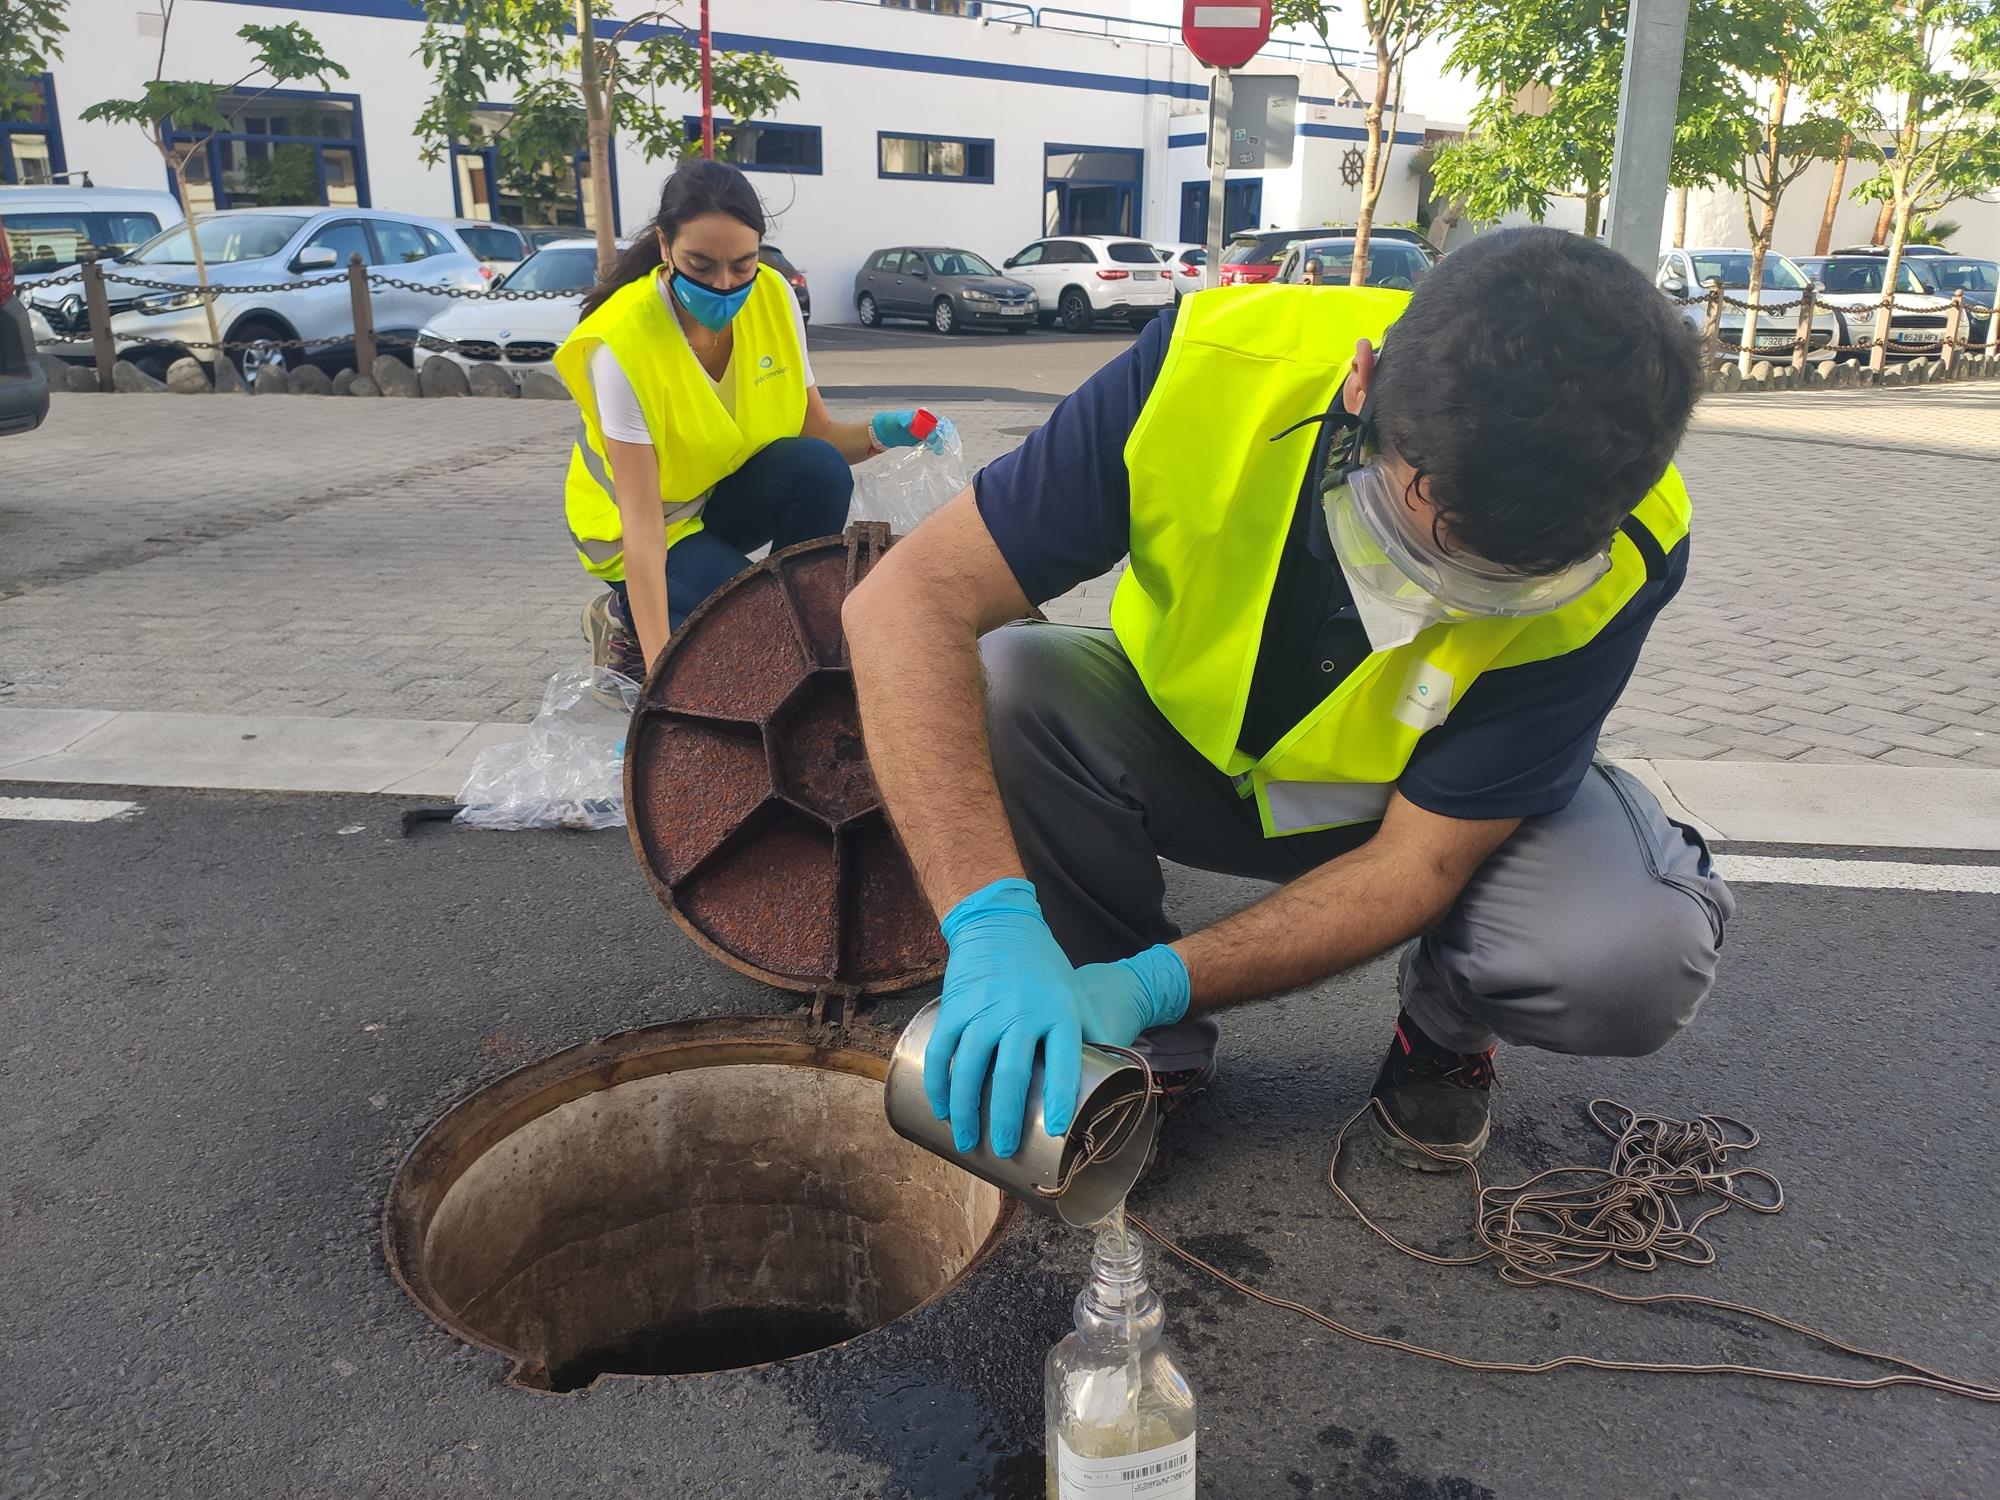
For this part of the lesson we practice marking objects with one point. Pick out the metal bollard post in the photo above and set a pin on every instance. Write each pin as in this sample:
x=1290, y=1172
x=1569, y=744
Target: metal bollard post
x=1993, y=331
x=1803, y=339
x=1954, y=329
x=364, y=315
x=1711, y=331
x=99, y=305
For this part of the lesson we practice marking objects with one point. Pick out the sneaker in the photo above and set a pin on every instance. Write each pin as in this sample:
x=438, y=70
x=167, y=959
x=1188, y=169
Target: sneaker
x=612, y=642
x=1442, y=1098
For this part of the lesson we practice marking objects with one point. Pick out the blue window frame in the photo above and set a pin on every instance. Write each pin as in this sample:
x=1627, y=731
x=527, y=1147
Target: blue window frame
x=285, y=147
x=1242, y=208
x=762, y=146
x=478, y=192
x=933, y=158
x=31, y=148
x=1091, y=189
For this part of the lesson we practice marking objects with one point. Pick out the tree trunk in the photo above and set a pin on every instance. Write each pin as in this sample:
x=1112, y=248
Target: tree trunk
x=1680, y=217
x=1593, y=204
x=597, y=131
x=1899, y=208
x=1883, y=220
x=179, y=169
x=1833, y=191
x=1767, y=178
x=1371, y=166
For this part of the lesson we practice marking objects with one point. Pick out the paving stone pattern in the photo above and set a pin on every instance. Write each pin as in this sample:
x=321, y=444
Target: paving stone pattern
x=408, y=560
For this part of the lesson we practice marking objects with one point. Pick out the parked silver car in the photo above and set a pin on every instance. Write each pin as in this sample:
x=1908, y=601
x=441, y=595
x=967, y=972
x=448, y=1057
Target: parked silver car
x=1687, y=273
x=271, y=247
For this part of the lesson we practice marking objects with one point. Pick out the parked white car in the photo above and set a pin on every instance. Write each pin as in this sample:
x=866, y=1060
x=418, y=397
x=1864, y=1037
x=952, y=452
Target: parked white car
x=500, y=247
x=1186, y=263
x=50, y=229
x=516, y=336
x=1079, y=278
x=1687, y=273
x=1920, y=315
x=275, y=247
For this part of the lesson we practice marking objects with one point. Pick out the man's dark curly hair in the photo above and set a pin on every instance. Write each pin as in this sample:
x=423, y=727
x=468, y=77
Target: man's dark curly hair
x=1540, y=385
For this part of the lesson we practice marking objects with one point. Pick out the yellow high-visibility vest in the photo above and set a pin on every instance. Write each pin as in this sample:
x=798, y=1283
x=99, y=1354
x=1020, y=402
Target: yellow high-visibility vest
x=1212, y=503
x=696, y=438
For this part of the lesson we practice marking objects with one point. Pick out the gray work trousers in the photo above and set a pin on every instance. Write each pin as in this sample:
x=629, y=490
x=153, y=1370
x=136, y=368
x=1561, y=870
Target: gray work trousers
x=1593, y=930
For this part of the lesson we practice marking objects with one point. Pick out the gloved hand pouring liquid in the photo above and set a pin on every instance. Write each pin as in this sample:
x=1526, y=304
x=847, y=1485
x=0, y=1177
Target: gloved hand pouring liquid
x=1009, y=990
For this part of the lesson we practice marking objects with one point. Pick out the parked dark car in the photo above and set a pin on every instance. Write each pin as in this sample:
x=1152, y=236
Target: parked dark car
x=949, y=289
x=24, y=388
x=773, y=257
x=1256, y=254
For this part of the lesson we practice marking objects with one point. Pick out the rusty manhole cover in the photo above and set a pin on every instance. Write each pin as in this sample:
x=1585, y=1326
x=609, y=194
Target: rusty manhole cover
x=706, y=1195
x=748, y=794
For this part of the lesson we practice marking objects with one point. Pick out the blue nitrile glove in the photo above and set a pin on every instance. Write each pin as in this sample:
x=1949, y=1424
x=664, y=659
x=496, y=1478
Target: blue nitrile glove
x=1007, y=990
x=892, y=430
x=1133, y=995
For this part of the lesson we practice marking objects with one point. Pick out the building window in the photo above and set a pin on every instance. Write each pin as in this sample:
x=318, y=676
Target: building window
x=1242, y=207
x=1090, y=189
x=283, y=148
x=482, y=188
x=31, y=151
x=939, y=158
x=762, y=147
x=966, y=8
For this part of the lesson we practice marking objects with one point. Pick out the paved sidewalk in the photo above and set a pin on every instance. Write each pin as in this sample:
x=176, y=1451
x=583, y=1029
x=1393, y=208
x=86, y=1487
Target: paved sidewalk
x=406, y=560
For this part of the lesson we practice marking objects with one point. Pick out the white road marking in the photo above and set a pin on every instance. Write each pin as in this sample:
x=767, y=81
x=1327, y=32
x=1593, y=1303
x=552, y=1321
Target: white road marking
x=1860, y=874
x=61, y=809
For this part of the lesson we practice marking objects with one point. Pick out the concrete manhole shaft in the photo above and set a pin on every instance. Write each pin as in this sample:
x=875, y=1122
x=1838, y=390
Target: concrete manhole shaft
x=705, y=1195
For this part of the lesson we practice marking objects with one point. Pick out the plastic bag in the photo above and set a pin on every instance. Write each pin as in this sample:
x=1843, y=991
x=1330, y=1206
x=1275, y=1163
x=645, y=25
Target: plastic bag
x=569, y=769
x=904, y=485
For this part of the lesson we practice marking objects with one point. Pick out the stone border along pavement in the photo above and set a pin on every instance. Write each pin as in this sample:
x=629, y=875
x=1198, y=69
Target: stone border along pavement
x=1728, y=801
x=438, y=377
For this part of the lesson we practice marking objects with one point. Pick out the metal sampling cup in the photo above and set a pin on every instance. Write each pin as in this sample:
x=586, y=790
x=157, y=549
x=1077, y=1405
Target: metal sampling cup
x=1043, y=1160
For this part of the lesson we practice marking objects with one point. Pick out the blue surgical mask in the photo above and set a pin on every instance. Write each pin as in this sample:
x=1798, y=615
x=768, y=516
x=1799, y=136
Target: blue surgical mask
x=709, y=307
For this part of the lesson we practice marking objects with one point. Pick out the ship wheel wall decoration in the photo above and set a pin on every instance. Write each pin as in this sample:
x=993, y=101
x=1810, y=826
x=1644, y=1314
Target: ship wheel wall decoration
x=1350, y=166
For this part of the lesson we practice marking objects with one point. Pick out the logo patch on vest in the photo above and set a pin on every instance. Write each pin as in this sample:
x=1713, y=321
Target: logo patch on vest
x=1426, y=697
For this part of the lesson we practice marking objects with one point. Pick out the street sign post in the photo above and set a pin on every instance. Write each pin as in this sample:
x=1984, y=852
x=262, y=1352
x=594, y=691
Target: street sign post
x=1224, y=34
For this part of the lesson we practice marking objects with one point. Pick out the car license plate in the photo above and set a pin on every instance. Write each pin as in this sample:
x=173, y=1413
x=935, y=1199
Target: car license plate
x=1775, y=340
x=1918, y=336
x=1013, y=312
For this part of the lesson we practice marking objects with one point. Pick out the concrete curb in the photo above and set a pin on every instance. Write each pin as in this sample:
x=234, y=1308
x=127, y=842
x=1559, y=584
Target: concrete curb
x=1728, y=801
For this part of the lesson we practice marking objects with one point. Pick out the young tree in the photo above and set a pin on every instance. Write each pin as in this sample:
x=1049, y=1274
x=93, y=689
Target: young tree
x=1551, y=72
x=1784, y=47
x=31, y=33
x=569, y=98
x=1935, y=65
x=194, y=112
x=1395, y=28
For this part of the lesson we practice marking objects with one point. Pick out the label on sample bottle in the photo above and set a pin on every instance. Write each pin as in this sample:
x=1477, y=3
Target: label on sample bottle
x=1157, y=1474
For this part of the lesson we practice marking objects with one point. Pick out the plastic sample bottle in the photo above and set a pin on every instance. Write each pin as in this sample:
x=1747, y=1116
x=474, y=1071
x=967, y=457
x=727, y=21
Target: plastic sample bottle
x=1120, y=1412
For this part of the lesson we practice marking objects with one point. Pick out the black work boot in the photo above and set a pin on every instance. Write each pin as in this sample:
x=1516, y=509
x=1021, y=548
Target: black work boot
x=1434, y=1095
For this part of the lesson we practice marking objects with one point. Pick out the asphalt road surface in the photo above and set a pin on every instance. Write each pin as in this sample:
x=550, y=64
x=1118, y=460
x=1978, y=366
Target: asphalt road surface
x=228, y=1016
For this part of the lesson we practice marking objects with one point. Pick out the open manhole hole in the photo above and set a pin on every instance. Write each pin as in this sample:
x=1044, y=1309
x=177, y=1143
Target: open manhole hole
x=700, y=1196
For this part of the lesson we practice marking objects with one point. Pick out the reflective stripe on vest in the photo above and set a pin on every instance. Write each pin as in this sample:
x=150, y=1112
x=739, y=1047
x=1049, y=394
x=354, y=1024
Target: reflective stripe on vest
x=697, y=439
x=603, y=553
x=1212, y=502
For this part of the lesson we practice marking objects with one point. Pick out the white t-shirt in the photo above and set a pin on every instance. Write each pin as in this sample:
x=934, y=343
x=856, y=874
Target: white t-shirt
x=618, y=411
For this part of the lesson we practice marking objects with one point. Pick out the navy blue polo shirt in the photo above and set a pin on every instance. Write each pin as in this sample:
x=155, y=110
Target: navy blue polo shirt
x=1519, y=741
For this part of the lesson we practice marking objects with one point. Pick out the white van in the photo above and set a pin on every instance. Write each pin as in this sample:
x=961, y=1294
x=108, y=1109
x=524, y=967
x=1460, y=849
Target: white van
x=49, y=229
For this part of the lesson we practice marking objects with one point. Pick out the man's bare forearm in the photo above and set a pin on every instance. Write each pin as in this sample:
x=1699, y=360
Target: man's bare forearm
x=1400, y=883
x=913, y=633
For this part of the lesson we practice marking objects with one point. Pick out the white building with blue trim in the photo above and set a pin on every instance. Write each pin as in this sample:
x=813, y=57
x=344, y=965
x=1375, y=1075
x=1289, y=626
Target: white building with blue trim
x=984, y=126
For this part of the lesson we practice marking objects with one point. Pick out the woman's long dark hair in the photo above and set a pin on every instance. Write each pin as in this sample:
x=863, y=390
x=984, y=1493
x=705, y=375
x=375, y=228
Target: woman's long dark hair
x=699, y=186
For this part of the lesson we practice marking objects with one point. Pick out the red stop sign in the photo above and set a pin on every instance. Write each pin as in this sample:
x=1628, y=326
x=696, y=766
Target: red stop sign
x=1225, y=33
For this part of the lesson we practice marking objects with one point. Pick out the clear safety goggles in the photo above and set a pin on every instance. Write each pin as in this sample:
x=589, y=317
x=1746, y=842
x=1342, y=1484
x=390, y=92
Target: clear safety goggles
x=1388, y=550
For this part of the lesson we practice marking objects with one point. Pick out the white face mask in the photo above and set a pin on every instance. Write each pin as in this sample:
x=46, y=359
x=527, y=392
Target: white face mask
x=1391, y=622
